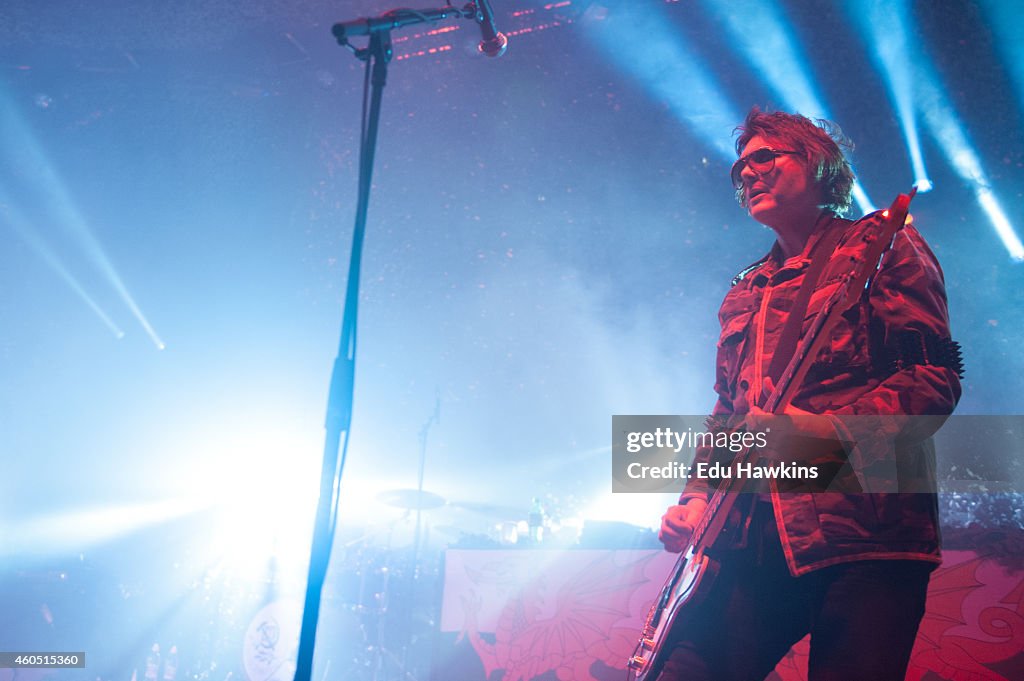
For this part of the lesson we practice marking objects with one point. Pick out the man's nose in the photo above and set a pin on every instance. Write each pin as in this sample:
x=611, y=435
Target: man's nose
x=747, y=174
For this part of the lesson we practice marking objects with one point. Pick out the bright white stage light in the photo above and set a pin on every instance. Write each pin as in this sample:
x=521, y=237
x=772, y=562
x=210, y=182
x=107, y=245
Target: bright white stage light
x=71, y=531
x=641, y=509
x=262, y=500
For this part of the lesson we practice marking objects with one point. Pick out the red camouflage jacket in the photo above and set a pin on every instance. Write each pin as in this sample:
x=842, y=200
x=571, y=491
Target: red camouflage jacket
x=855, y=375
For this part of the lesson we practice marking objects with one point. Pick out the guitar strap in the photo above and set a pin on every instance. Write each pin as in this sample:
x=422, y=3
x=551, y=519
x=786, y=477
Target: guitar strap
x=821, y=253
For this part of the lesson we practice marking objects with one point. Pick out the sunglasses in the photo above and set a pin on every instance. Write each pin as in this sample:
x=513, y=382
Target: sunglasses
x=760, y=161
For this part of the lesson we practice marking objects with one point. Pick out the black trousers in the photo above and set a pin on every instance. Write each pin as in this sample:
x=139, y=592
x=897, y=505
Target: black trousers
x=862, y=616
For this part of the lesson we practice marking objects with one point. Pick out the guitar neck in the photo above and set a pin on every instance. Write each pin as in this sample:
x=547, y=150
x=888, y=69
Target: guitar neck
x=712, y=522
x=846, y=293
x=849, y=290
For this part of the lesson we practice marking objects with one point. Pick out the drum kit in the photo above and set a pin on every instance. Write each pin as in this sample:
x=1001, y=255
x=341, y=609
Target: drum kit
x=382, y=594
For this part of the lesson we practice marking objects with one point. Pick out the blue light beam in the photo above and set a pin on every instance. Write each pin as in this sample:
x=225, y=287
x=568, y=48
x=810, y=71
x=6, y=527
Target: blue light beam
x=20, y=225
x=939, y=116
x=763, y=36
x=639, y=39
x=884, y=25
x=20, y=143
x=1005, y=22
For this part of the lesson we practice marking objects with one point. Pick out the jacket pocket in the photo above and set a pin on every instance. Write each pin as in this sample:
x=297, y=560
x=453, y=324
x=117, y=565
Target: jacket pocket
x=731, y=342
x=847, y=344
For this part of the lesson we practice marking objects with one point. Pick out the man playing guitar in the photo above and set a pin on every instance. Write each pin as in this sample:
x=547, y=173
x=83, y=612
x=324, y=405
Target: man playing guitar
x=848, y=562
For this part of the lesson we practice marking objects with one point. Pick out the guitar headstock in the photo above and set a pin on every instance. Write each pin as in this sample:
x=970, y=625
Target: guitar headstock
x=896, y=214
x=878, y=242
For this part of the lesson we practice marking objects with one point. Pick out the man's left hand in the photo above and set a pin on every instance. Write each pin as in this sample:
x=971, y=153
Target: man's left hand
x=792, y=422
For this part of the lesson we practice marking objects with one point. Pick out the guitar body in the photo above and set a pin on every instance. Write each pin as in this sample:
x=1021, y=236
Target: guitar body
x=689, y=582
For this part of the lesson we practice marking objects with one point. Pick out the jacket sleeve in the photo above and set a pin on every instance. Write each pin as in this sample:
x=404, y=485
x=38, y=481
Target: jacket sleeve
x=908, y=294
x=699, y=488
x=907, y=298
x=734, y=317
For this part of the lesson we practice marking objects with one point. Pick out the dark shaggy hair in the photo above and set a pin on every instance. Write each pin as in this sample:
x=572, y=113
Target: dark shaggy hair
x=820, y=142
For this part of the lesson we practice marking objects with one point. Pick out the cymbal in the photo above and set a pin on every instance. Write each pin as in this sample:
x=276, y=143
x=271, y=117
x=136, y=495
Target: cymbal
x=411, y=499
x=492, y=510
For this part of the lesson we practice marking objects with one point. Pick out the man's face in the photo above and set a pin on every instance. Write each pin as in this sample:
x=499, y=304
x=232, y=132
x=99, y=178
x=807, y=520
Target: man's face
x=783, y=195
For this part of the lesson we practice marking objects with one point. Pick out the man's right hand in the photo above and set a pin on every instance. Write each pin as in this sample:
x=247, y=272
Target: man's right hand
x=678, y=522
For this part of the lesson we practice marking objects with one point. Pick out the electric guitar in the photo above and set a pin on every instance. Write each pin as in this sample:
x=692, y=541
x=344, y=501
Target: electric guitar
x=696, y=568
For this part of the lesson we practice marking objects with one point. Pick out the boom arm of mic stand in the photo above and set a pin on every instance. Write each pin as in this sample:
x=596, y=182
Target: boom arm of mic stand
x=397, y=19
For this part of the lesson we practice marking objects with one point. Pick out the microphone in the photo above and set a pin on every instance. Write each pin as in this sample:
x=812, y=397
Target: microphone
x=494, y=43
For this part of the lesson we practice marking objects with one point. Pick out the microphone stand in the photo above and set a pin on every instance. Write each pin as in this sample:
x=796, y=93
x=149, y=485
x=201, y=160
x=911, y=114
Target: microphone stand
x=377, y=54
